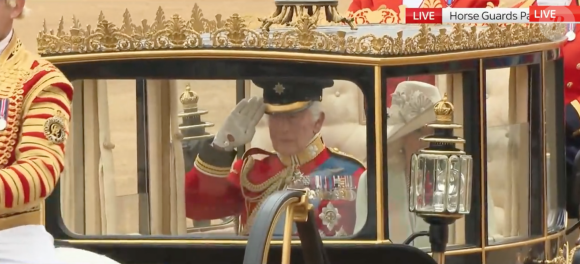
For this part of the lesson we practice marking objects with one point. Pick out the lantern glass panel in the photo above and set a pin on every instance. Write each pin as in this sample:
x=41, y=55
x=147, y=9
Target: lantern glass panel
x=455, y=184
x=466, y=184
x=412, y=186
x=431, y=183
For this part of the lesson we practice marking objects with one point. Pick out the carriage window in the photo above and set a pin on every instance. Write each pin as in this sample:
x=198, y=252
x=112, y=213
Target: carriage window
x=508, y=148
x=556, y=211
x=157, y=155
x=410, y=107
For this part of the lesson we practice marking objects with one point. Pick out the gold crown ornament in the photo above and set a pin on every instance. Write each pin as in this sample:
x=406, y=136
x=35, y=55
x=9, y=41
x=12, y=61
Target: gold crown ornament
x=444, y=110
x=175, y=32
x=189, y=98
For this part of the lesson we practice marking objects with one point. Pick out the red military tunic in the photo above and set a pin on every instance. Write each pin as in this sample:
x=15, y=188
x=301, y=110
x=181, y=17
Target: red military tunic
x=215, y=189
x=35, y=100
x=571, y=55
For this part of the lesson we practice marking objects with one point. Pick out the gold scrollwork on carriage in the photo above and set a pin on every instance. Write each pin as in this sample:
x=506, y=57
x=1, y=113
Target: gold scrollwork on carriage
x=177, y=33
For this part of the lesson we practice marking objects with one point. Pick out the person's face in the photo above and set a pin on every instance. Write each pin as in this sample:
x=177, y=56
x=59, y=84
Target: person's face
x=8, y=14
x=291, y=133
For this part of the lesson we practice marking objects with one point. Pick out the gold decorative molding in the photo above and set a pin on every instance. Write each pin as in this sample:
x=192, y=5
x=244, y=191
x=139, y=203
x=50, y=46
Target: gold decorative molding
x=233, y=33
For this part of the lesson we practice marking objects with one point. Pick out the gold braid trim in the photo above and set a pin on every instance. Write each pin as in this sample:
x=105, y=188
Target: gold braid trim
x=264, y=189
x=257, y=188
x=209, y=169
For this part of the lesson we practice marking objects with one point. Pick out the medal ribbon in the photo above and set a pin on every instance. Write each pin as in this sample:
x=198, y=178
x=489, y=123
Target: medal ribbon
x=4, y=108
x=571, y=27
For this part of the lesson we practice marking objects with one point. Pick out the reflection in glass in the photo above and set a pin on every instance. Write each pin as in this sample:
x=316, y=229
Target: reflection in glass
x=410, y=109
x=507, y=154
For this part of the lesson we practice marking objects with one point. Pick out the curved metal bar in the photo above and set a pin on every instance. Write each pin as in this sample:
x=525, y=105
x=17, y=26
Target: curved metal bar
x=267, y=216
x=299, y=211
x=415, y=235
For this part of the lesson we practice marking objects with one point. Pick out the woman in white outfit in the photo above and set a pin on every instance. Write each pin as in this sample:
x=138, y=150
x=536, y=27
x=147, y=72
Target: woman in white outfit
x=411, y=110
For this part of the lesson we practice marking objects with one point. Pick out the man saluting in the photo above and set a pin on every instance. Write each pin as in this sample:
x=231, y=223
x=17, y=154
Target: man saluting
x=215, y=188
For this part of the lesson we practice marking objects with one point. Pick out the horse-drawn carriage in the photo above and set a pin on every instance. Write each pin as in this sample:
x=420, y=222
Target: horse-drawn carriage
x=489, y=152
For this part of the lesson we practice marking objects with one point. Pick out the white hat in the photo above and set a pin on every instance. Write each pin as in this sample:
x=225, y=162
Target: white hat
x=411, y=109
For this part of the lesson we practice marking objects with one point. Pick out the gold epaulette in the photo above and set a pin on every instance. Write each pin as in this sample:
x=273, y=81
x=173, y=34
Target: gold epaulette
x=336, y=151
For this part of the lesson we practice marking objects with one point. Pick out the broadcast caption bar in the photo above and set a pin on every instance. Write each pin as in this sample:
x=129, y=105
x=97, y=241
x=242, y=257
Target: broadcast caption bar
x=535, y=14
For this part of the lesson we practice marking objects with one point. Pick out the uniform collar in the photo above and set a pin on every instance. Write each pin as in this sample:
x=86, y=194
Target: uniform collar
x=312, y=150
x=4, y=43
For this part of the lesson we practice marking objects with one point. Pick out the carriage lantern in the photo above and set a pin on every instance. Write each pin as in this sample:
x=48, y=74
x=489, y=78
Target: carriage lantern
x=440, y=189
x=193, y=131
x=192, y=127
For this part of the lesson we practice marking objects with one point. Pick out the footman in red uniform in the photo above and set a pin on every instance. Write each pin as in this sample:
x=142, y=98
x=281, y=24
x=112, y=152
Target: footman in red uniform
x=35, y=101
x=215, y=188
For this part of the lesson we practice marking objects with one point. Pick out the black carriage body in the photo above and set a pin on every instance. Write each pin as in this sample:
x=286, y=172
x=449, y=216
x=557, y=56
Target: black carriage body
x=370, y=72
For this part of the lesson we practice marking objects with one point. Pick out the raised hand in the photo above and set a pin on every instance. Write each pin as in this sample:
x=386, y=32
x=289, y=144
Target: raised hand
x=240, y=126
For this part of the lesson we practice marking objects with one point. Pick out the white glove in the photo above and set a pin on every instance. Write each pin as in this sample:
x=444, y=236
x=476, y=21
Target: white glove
x=240, y=126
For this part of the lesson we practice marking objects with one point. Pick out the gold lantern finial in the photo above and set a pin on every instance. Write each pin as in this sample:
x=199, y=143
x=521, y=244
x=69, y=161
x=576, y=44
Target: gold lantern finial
x=444, y=110
x=189, y=98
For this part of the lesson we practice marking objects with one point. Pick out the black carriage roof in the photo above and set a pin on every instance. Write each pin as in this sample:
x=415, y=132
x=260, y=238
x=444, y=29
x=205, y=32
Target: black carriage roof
x=174, y=36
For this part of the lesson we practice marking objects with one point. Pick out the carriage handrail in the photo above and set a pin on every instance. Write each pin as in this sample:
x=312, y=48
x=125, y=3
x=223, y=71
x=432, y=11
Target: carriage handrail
x=298, y=211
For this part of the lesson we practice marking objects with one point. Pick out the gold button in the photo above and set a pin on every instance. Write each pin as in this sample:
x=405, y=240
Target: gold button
x=569, y=85
x=578, y=66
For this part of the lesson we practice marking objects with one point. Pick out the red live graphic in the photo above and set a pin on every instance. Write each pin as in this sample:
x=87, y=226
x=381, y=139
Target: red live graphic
x=558, y=14
x=424, y=16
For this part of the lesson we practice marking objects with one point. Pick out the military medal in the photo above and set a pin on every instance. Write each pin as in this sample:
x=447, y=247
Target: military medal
x=3, y=113
x=571, y=34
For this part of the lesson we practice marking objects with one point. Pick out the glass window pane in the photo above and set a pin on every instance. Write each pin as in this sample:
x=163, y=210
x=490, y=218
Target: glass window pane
x=139, y=191
x=410, y=107
x=508, y=148
x=556, y=181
